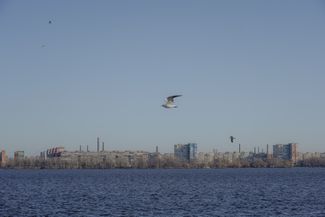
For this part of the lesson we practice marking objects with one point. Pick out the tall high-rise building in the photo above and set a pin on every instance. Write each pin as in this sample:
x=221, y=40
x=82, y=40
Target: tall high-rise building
x=185, y=152
x=285, y=151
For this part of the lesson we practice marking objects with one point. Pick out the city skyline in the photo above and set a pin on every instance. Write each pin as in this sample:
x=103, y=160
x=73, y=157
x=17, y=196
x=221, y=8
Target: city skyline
x=184, y=156
x=95, y=148
x=254, y=70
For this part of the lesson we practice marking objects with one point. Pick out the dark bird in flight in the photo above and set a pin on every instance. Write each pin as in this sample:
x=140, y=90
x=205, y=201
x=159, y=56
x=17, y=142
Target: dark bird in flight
x=50, y=21
x=170, y=102
x=232, y=139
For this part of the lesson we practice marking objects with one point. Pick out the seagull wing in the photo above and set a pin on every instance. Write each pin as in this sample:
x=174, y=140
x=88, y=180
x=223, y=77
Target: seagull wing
x=170, y=99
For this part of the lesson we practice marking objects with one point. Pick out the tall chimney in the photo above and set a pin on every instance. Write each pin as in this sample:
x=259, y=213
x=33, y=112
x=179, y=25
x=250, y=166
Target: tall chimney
x=97, y=144
x=87, y=149
x=267, y=149
x=157, y=149
x=239, y=148
x=103, y=147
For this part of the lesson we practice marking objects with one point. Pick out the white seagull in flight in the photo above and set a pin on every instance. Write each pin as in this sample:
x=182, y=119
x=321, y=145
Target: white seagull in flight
x=170, y=102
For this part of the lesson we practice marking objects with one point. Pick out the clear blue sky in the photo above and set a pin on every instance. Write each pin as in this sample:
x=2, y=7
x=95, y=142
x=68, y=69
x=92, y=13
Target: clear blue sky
x=251, y=69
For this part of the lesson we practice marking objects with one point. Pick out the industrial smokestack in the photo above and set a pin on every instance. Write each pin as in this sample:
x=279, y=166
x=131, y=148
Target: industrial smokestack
x=239, y=148
x=97, y=144
x=87, y=149
x=267, y=149
x=103, y=147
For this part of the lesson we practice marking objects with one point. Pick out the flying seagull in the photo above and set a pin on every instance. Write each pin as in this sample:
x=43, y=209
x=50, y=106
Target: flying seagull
x=232, y=139
x=170, y=102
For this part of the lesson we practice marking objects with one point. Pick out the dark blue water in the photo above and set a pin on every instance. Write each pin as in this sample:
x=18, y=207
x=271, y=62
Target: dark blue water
x=220, y=192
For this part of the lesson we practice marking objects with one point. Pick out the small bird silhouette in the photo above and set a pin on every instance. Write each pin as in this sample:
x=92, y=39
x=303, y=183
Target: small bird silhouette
x=232, y=139
x=50, y=21
x=170, y=102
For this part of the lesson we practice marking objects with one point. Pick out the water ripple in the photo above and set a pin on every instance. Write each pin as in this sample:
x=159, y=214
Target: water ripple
x=217, y=192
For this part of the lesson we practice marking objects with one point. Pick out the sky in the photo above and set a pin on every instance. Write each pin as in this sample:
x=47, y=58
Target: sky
x=251, y=69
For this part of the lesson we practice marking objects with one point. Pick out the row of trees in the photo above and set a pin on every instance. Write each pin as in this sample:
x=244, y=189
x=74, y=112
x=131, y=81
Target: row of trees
x=165, y=162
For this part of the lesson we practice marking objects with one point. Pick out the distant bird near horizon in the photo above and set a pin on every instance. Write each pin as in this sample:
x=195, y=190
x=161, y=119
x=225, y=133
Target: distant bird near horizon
x=232, y=139
x=170, y=102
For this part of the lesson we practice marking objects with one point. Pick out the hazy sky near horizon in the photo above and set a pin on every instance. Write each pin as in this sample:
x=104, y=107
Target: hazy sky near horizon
x=251, y=69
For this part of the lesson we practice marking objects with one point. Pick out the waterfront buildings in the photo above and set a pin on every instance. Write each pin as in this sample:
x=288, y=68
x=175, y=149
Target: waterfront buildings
x=185, y=152
x=54, y=152
x=43, y=155
x=286, y=152
x=19, y=155
x=107, y=159
x=184, y=156
x=310, y=155
x=3, y=158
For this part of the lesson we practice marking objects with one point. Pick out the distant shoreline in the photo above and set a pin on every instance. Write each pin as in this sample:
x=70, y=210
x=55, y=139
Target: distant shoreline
x=176, y=168
x=154, y=162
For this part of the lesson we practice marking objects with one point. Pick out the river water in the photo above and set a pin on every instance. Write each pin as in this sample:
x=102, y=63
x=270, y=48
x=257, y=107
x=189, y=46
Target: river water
x=163, y=192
